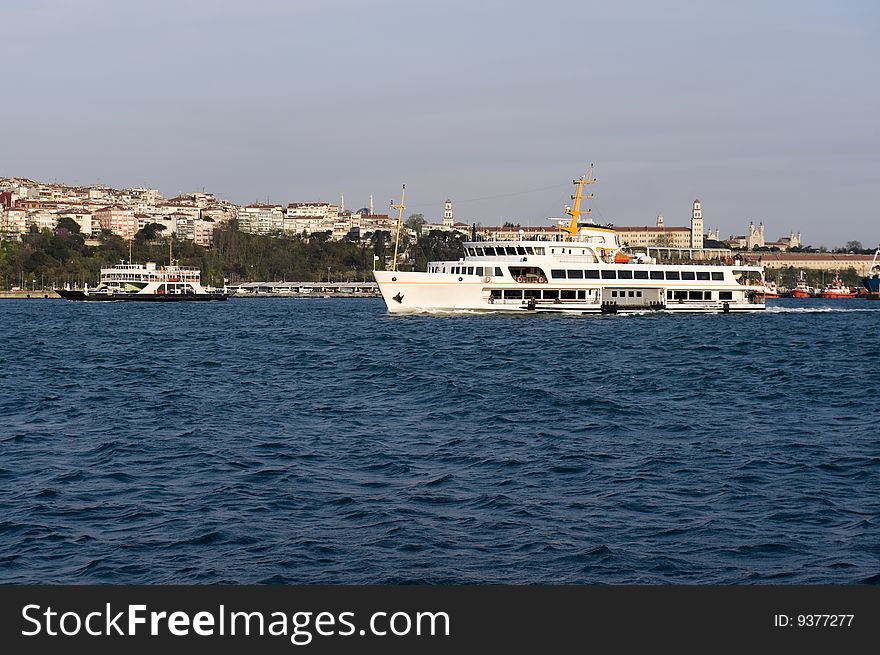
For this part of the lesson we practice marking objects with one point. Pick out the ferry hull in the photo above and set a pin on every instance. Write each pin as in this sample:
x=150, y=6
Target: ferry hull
x=406, y=292
x=140, y=297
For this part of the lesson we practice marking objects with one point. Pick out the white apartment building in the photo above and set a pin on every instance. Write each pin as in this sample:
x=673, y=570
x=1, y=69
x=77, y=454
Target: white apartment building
x=376, y=222
x=261, y=219
x=14, y=223
x=323, y=210
x=311, y=217
x=42, y=219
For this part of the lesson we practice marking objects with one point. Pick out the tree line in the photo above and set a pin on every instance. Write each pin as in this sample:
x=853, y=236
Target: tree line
x=54, y=258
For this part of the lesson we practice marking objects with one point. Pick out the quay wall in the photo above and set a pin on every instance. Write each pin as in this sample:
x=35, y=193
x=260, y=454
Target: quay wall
x=39, y=294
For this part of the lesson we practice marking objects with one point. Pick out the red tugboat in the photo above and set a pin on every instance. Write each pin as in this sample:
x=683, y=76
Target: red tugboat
x=837, y=290
x=801, y=290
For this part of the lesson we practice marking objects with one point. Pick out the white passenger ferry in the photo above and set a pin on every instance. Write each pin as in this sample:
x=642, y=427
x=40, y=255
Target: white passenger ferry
x=582, y=270
x=146, y=282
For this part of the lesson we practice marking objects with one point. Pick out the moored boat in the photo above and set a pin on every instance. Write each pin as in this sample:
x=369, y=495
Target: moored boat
x=582, y=269
x=837, y=290
x=871, y=283
x=801, y=289
x=772, y=290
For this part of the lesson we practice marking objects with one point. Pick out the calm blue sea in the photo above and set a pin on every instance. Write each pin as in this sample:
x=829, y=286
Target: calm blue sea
x=323, y=441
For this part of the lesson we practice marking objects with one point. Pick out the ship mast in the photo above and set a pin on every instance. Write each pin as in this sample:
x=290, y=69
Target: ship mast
x=575, y=212
x=399, y=209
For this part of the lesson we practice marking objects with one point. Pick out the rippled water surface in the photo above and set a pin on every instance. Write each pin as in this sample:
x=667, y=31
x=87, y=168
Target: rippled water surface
x=313, y=441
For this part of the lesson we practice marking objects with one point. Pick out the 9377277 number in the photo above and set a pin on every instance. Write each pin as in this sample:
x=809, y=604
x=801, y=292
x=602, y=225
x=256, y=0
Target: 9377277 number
x=825, y=620
x=813, y=620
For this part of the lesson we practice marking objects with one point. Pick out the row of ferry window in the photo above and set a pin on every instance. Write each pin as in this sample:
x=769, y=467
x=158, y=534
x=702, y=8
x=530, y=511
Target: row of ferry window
x=583, y=294
x=492, y=251
x=545, y=294
x=471, y=270
x=623, y=274
x=697, y=295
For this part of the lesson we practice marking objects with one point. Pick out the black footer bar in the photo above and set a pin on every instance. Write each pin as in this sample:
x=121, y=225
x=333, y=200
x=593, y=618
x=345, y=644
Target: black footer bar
x=426, y=619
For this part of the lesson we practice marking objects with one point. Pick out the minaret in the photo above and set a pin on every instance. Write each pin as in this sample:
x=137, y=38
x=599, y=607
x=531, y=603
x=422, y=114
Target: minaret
x=447, y=214
x=371, y=204
x=697, y=226
x=660, y=220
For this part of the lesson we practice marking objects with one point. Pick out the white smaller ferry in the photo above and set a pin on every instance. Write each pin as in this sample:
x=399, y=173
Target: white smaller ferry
x=582, y=269
x=147, y=282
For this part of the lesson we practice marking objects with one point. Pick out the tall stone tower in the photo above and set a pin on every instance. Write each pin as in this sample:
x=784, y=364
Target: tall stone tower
x=659, y=220
x=697, y=225
x=756, y=236
x=447, y=214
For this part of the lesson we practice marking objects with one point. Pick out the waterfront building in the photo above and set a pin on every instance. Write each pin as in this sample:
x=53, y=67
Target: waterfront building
x=815, y=261
x=657, y=236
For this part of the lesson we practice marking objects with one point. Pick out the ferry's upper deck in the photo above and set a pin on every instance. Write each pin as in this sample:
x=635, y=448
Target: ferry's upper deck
x=149, y=272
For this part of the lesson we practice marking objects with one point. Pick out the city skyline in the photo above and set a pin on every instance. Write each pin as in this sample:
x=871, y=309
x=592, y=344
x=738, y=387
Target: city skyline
x=766, y=113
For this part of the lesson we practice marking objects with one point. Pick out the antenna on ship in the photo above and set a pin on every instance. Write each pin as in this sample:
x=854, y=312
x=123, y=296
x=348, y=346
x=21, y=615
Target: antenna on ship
x=399, y=209
x=129, y=249
x=575, y=212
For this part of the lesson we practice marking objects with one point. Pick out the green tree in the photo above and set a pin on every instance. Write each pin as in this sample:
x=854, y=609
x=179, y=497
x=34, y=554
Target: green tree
x=149, y=232
x=67, y=223
x=415, y=222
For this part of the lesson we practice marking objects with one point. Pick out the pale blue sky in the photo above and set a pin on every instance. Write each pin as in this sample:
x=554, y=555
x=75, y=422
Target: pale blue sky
x=764, y=110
